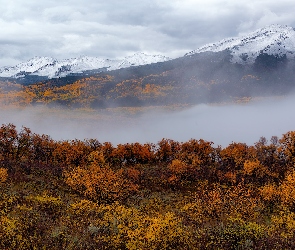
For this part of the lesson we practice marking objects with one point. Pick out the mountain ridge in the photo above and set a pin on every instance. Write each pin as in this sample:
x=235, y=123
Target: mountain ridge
x=277, y=40
x=274, y=40
x=53, y=68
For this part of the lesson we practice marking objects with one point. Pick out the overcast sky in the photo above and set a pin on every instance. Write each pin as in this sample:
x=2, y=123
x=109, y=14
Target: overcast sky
x=118, y=28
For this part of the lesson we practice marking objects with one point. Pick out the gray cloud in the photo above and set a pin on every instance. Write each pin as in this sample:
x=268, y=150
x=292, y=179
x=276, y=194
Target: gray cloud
x=117, y=28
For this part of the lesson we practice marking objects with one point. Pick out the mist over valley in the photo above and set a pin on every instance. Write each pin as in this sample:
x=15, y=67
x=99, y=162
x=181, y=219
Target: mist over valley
x=237, y=89
x=221, y=124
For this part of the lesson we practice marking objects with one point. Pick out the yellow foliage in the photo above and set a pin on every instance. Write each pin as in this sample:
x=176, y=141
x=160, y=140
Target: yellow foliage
x=220, y=204
x=11, y=236
x=287, y=190
x=100, y=183
x=195, y=212
x=130, y=229
x=83, y=207
x=96, y=157
x=231, y=177
x=284, y=223
x=166, y=232
x=45, y=202
x=269, y=192
x=3, y=175
x=178, y=167
x=251, y=166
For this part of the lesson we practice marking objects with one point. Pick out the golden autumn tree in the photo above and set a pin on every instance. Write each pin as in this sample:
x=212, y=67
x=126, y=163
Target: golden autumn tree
x=3, y=175
x=8, y=142
x=200, y=156
x=287, y=148
x=100, y=183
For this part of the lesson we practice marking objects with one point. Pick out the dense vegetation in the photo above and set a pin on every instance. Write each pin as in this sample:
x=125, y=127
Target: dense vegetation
x=169, y=195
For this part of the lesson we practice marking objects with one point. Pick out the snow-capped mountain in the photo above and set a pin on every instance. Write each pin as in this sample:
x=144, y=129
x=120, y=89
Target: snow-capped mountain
x=141, y=59
x=52, y=68
x=275, y=40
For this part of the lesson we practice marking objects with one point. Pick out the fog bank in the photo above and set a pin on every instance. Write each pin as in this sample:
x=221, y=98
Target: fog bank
x=221, y=124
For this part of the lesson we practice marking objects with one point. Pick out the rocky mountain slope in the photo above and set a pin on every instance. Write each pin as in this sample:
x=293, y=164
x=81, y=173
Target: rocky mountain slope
x=53, y=68
x=277, y=40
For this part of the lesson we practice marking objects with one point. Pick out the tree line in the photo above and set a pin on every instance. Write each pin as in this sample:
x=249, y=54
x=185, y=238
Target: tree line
x=169, y=195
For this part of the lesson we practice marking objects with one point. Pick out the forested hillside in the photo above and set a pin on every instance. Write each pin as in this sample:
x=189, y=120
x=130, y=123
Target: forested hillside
x=200, y=78
x=169, y=195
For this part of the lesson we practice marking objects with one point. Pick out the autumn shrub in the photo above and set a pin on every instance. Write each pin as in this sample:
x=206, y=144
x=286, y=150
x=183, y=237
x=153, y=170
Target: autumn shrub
x=270, y=195
x=50, y=205
x=287, y=191
x=234, y=156
x=181, y=173
x=80, y=224
x=42, y=160
x=3, y=175
x=234, y=234
x=11, y=234
x=167, y=150
x=67, y=154
x=121, y=227
x=118, y=226
x=270, y=157
x=201, y=156
x=100, y=183
x=133, y=153
x=217, y=203
x=133, y=175
x=269, y=192
x=282, y=229
x=232, y=160
x=8, y=143
x=168, y=232
x=255, y=172
x=287, y=148
x=242, y=201
x=24, y=228
x=108, y=152
x=96, y=157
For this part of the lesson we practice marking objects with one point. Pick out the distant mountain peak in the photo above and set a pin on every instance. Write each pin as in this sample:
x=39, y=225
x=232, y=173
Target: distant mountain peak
x=52, y=68
x=140, y=58
x=278, y=40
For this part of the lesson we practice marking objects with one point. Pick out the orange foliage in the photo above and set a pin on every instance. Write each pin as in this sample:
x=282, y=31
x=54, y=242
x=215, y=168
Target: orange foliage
x=172, y=195
x=100, y=183
x=180, y=171
x=3, y=175
x=287, y=147
x=133, y=153
x=287, y=191
x=167, y=150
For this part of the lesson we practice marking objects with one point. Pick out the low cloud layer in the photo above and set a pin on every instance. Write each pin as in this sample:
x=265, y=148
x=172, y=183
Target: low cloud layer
x=219, y=124
x=117, y=28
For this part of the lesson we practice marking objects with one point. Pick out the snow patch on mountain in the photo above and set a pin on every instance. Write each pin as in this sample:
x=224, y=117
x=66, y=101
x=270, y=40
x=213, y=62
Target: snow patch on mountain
x=53, y=68
x=278, y=40
x=141, y=59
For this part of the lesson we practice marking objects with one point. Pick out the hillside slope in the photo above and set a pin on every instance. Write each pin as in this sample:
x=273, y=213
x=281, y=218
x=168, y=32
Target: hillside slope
x=209, y=75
